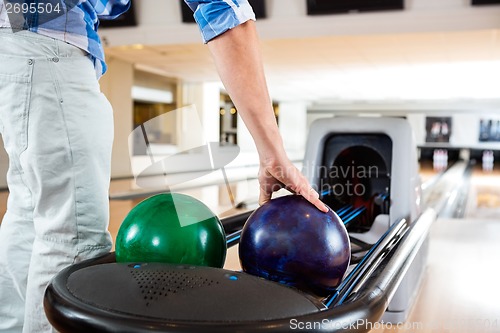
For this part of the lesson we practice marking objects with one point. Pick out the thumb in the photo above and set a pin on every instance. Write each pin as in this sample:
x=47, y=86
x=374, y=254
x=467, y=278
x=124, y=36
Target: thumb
x=264, y=196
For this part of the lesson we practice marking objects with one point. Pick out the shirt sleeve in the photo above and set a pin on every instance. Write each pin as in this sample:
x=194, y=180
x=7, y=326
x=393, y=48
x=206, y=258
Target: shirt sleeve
x=214, y=17
x=111, y=9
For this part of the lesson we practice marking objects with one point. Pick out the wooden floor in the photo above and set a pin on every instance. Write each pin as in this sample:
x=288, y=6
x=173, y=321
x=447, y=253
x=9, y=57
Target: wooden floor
x=461, y=290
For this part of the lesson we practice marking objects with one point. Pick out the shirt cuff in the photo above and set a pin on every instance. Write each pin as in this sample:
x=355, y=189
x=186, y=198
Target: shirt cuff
x=216, y=17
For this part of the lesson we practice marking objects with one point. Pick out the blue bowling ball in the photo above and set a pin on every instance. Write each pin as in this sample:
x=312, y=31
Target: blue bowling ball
x=288, y=240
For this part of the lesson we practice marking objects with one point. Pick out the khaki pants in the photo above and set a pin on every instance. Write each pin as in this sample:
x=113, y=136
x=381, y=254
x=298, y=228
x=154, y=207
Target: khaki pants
x=57, y=129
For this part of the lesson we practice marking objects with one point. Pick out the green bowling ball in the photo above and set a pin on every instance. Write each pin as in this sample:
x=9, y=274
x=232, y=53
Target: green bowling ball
x=171, y=228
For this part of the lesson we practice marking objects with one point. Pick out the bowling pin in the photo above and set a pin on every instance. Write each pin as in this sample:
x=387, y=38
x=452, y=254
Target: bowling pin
x=436, y=128
x=434, y=160
x=440, y=159
x=491, y=160
x=488, y=160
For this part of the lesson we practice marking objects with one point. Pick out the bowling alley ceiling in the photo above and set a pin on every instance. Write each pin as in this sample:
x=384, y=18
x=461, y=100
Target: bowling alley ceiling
x=417, y=66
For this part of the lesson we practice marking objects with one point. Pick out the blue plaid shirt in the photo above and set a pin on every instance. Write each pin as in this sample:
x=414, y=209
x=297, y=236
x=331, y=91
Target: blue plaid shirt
x=214, y=17
x=79, y=25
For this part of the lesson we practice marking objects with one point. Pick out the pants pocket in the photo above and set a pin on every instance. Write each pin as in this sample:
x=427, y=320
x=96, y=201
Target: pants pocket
x=15, y=88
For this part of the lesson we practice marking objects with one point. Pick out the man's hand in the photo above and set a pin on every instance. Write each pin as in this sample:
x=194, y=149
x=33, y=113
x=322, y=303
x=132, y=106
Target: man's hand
x=280, y=173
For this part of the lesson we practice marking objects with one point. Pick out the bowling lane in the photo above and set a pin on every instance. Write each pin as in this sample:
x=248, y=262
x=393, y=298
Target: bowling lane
x=460, y=288
x=459, y=291
x=483, y=201
x=426, y=170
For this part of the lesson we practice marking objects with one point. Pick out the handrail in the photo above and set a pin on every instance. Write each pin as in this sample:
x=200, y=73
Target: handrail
x=351, y=281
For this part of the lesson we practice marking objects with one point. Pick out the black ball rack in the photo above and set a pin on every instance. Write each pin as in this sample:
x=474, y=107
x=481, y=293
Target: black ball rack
x=100, y=295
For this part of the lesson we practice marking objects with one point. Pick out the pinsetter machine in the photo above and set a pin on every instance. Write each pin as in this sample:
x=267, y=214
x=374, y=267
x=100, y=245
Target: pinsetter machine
x=366, y=170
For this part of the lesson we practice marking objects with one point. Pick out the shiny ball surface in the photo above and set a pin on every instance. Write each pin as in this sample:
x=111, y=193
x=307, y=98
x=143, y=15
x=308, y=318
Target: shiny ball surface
x=171, y=228
x=288, y=240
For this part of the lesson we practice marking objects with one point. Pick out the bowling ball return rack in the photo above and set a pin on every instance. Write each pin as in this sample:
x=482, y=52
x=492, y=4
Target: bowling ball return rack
x=100, y=295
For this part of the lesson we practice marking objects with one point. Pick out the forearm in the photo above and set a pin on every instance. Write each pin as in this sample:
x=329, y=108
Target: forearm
x=239, y=63
x=238, y=60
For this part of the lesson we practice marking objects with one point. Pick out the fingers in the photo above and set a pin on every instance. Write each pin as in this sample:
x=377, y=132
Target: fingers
x=313, y=197
x=310, y=194
x=302, y=187
x=293, y=180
